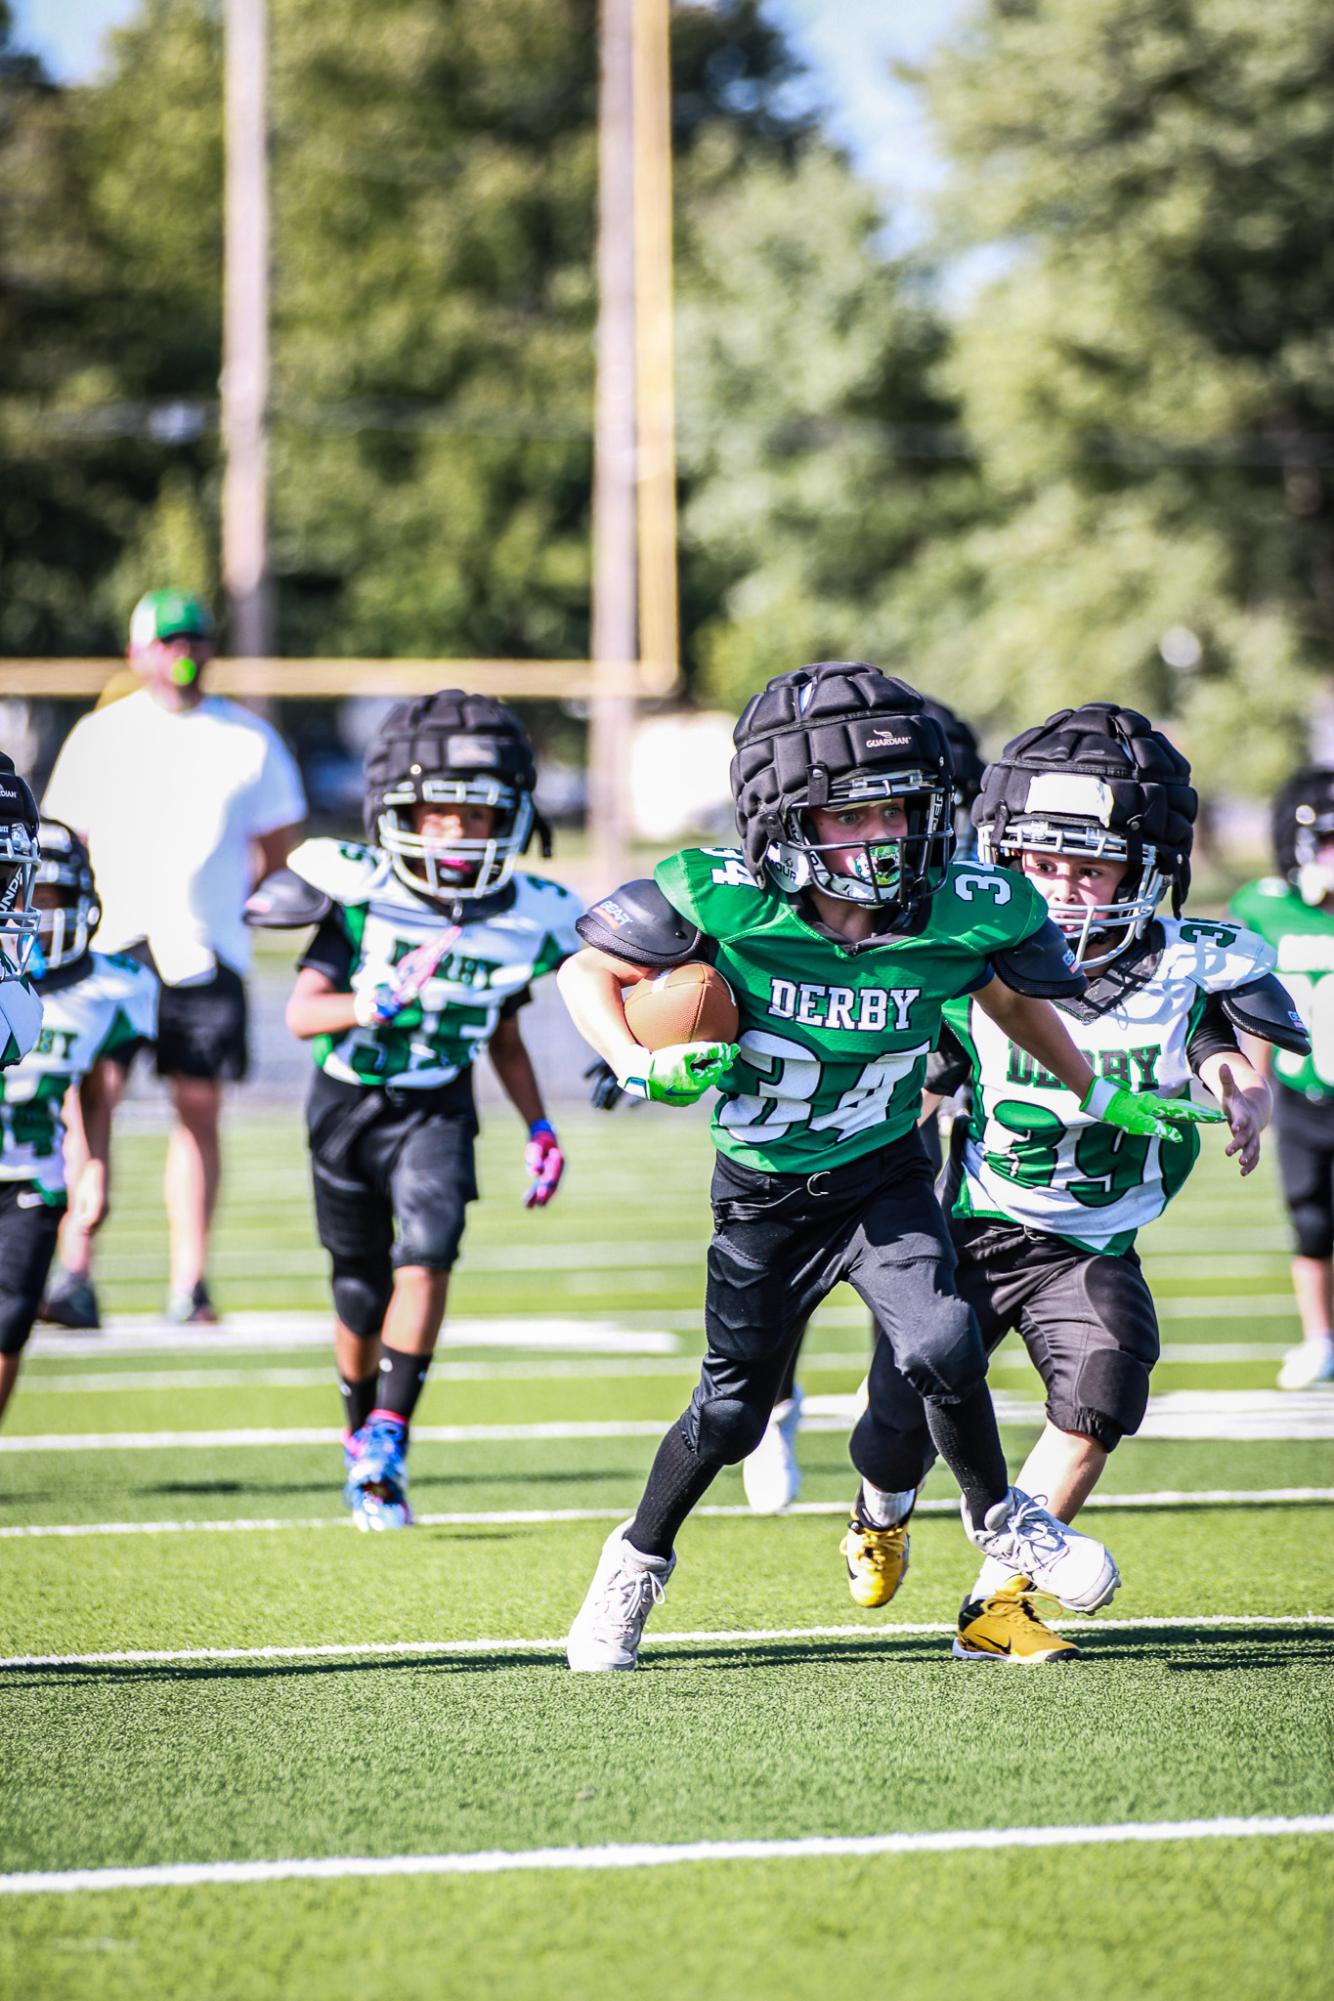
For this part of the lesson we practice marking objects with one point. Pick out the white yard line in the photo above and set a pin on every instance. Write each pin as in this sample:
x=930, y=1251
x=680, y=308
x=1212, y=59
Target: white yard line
x=658, y=1855
x=148, y=1333
x=35, y=1384
x=1209, y=1414
x=1218, y=1497
x=706, y=1636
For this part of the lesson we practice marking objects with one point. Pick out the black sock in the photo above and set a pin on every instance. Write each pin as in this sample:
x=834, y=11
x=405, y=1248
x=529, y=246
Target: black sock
x=402, y=1379
x=966, y=1437
x=358, y=1395
x=677, y=1480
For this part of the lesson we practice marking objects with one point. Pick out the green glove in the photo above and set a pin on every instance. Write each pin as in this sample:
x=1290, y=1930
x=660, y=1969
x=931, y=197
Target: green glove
x=1142, y=1112
x=681, y=1074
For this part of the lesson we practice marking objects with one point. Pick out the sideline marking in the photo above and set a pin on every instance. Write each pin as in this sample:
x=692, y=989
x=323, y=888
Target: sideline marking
x=743, y=1636
x=618, y=1363
x=1216, y=1497
x=147, y=1333
x=1217, y=1414
x=658, y=1855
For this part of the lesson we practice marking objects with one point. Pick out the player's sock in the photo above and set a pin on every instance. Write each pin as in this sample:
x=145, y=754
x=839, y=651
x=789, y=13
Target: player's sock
x=401, y=1381
x=358, y=1394
x=967, y=1439
x=991, y=1577
x=880, y=1509
x=677, y=1480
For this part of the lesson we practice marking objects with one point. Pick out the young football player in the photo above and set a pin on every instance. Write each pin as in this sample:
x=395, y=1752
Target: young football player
x=842, y=928
x=1095, y=811
x=428, y=945
x=770, y=1475
x=96, y=1011
x=20, y=1008
x=1294, y=911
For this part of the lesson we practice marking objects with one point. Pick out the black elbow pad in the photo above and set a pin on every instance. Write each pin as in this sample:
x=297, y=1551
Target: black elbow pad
x=1264, y=1008
x=285, y=901
x=1043, y=967
x=637, y=923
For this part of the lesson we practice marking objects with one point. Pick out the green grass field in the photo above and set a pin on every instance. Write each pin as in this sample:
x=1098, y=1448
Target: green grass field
x=312, y=1695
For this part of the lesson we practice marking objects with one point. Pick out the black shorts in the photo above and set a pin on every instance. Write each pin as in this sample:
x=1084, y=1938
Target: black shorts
x=782, y=1242
x=28, y=1227
x=1086, y=1318
x=201, y=1029
x=393, y=1173
x=1304, y=1132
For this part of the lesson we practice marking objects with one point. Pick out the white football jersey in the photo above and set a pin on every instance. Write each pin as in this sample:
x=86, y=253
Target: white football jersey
x=1034, y=1158
x=484, y=962
x=20, y=1017
x=110, y=1009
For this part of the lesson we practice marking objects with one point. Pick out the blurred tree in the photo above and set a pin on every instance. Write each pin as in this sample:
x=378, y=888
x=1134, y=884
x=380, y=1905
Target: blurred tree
x=1149, y=383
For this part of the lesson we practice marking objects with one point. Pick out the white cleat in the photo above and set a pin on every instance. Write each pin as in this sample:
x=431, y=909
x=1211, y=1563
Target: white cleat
x=771, y=1475
x=1073, y=1568
x=1310, y=1363
x=610, y=1623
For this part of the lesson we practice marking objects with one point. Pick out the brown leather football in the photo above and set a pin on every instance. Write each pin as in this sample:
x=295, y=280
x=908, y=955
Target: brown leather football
x=690, y=1003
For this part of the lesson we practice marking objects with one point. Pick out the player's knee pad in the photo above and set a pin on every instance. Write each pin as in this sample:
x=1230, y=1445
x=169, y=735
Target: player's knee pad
x=942, y=1354
x=361, y=1296
x=1111, y=1395
x=1312, y=1229
x=728, y=1429
x=888, y=1457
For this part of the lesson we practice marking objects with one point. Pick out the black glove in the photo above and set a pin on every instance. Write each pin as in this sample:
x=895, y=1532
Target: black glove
x=606, y=1093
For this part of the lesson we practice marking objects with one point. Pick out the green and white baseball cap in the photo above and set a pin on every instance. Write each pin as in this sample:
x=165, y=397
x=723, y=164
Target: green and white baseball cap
x=169, y=615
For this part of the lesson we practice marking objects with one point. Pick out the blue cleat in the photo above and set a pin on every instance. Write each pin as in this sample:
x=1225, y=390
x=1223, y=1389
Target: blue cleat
x=376, y=1489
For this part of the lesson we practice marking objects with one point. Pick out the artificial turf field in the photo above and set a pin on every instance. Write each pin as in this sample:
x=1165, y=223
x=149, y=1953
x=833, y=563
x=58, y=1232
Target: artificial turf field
x=313, y=1695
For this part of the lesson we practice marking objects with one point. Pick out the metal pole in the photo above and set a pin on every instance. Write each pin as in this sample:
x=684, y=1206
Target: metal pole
x=654, y=347
x=614, y=453
x=245, y=357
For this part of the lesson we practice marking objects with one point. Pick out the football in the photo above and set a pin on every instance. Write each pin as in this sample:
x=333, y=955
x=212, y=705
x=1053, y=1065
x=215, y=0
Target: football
x=691, y=1003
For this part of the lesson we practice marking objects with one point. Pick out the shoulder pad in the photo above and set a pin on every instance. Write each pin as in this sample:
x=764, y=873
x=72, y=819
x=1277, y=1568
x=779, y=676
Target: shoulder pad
x=344, y=870
x=1265, y=1009
x=286, y=901
x=638, y=924
x=1041, y=966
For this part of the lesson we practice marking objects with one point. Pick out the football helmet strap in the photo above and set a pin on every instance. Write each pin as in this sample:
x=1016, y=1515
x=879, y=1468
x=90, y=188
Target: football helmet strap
x=1303, y=815
x=841, y=733
x=1097, y=782
x=66, y=924
x=449, y=749
x=19, y=849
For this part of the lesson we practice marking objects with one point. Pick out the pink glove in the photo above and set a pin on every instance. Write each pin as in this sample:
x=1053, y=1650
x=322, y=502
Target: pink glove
x=545, y=1162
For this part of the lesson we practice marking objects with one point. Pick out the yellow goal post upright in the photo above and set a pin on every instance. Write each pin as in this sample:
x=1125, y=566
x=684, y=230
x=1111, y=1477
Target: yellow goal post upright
x=636, y=647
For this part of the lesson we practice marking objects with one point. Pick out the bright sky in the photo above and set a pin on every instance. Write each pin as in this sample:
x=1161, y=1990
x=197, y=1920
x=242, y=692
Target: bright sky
x=848, y=44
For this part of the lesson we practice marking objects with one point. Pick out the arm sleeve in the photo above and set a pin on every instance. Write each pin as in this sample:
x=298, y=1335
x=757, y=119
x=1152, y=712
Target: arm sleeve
x=1212, y=1035
x=279, y=799
x=512, y=1003
x=330, y=952
x=947, y=1067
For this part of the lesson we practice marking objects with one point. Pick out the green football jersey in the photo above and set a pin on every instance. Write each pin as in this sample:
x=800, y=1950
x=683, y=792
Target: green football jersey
x=1303, y=942
x=835, y=1037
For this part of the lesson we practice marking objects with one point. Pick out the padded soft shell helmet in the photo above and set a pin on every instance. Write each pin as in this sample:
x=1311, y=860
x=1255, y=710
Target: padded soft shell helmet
x=1100, y=783
x=68, y=912
x=450, y=749
x=841, y=733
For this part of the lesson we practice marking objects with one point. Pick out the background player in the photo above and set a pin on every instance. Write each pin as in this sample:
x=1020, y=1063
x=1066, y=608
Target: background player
x=427, y=947
x=770, y=1474
x=20, y=1008
x=97, y=1010
x=1294, y=910
x=1095, y=809
x=842, y=928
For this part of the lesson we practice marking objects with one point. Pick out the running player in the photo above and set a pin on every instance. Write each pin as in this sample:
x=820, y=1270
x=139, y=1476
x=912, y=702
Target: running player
x=1095, y=810
x=96, y=1011
x=1294, y=910
x=770, y=1475
x=427, y=946
x=843, y=928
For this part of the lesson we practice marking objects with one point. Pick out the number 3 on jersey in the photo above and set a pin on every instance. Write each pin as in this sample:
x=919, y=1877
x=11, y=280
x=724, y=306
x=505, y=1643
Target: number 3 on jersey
x=792, y=1078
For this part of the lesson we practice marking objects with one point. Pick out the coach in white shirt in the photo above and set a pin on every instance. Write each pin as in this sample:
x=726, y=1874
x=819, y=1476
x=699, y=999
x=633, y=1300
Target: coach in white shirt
x=186, y=801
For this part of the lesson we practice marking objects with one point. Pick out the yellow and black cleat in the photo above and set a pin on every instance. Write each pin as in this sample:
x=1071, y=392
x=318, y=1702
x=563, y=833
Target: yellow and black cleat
x=1005, y=1627
x=877, y=1561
